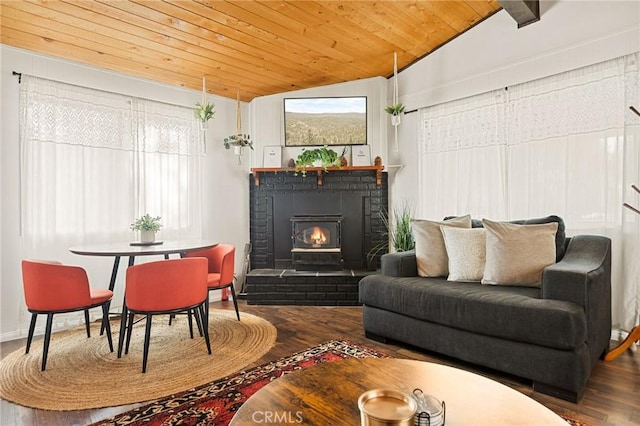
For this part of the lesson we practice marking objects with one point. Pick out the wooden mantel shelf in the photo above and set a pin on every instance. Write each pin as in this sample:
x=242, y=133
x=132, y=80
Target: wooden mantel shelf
x=319, y=170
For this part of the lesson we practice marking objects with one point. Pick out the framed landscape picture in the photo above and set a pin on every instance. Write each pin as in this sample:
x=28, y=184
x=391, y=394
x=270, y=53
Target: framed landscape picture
x=325, y=121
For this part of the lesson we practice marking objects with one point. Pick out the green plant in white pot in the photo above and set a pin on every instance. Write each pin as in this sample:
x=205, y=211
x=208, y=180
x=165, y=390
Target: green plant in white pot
x=319, y=157
x=204, y=112
x=148, y=226
x=395, y=111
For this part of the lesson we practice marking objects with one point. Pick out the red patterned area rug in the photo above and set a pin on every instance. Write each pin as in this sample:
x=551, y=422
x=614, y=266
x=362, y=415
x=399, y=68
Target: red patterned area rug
x=215, y=403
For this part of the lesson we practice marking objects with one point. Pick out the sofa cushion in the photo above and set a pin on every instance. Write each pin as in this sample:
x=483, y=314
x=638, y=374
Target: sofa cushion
x=466, y=253
x=517, y=254
x=561, y=235
x=512, y=313
x=431, y=254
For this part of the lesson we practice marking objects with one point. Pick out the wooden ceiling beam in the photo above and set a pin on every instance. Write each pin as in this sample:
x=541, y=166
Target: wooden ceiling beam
x=524, y=12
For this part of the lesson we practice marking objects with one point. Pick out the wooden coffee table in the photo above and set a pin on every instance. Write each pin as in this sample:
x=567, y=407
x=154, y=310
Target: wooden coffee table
x=327, y=394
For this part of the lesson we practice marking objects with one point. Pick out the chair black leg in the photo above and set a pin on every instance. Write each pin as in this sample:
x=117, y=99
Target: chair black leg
x=190, y=323
x=106, y=324
x=102, y=325
x=147, y=335
x=129, y=331
x=123, y=326
x=32, y=327
x=206, y=309
x=235, y=301
x=198, y=322
x=205, y=328
x=86, y=322
x=47, y=338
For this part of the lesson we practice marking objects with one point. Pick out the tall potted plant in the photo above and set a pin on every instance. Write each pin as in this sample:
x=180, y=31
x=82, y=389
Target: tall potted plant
x=398, y=233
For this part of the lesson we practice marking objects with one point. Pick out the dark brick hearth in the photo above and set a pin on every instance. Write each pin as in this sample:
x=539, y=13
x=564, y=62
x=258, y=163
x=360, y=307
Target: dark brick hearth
x=352, y=194
x=289, y=287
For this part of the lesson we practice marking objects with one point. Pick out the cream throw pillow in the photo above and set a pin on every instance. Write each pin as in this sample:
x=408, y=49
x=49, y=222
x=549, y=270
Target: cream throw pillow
x=466, y=252
x=431, y=254
x=517, y=254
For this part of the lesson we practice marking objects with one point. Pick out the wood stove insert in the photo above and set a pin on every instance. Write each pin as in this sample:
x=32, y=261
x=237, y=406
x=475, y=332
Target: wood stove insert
x=316, y=242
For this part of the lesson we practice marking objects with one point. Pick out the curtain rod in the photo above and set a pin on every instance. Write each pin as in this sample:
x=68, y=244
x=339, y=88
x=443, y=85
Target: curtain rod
x=19, y=74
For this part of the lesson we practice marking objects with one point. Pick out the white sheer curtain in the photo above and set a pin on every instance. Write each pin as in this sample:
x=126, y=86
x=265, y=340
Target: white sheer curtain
x=560, y=145
x=93, y=161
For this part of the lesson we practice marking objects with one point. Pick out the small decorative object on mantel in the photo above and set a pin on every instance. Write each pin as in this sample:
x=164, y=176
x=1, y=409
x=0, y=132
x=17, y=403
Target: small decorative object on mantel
x=148, y=226
x=361, y=155
x=343, y=160
x=239, y=140
x=272, y=156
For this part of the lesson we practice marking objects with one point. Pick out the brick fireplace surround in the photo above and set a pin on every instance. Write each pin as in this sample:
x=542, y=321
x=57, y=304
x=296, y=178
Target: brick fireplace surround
x=276, y=197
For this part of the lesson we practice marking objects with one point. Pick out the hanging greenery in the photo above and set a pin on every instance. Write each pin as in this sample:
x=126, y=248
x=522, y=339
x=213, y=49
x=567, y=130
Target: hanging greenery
x=395, y=109
x=205, y=112
x=318, y=157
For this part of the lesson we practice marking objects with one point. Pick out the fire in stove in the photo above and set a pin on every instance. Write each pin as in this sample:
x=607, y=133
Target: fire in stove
x=316, y=243
x=316, y=236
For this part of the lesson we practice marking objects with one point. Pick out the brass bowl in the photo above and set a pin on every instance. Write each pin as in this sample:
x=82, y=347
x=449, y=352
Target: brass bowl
x=386, y=407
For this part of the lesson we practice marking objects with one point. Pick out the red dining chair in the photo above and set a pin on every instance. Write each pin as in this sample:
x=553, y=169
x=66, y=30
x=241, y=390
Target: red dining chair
x=221, y=269
x=52, y=288
x=165, y=287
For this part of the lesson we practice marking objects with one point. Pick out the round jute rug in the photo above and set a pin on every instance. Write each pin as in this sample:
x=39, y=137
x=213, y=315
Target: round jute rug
x=81, y=372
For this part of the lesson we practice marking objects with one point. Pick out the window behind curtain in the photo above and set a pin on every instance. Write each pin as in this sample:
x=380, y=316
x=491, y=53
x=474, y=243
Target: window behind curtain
x=93, y=161
x=566, y=145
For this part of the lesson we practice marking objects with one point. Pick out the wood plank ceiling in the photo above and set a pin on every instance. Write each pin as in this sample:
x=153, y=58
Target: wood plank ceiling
x=256, y=47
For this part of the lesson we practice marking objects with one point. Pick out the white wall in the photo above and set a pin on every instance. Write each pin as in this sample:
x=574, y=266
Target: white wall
x=267, y=114
x=225, y=186
x=495, y=54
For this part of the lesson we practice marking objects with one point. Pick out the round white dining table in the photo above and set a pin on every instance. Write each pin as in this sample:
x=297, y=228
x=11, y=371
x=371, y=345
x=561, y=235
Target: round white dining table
x=128, y=249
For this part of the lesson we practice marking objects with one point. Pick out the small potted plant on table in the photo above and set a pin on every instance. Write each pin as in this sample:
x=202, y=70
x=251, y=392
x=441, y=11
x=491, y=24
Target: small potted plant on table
x=148, y=226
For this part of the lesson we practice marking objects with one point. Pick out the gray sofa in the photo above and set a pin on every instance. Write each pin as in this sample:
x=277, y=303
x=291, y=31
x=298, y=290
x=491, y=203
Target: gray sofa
x=552, y=335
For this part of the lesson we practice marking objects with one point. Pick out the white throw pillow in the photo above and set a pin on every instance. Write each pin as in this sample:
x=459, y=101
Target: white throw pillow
x=517, y=254
x=431, y=254
x=466, y=252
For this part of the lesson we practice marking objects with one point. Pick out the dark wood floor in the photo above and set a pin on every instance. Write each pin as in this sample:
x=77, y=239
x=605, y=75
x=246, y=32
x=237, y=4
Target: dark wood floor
x=612, y=396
